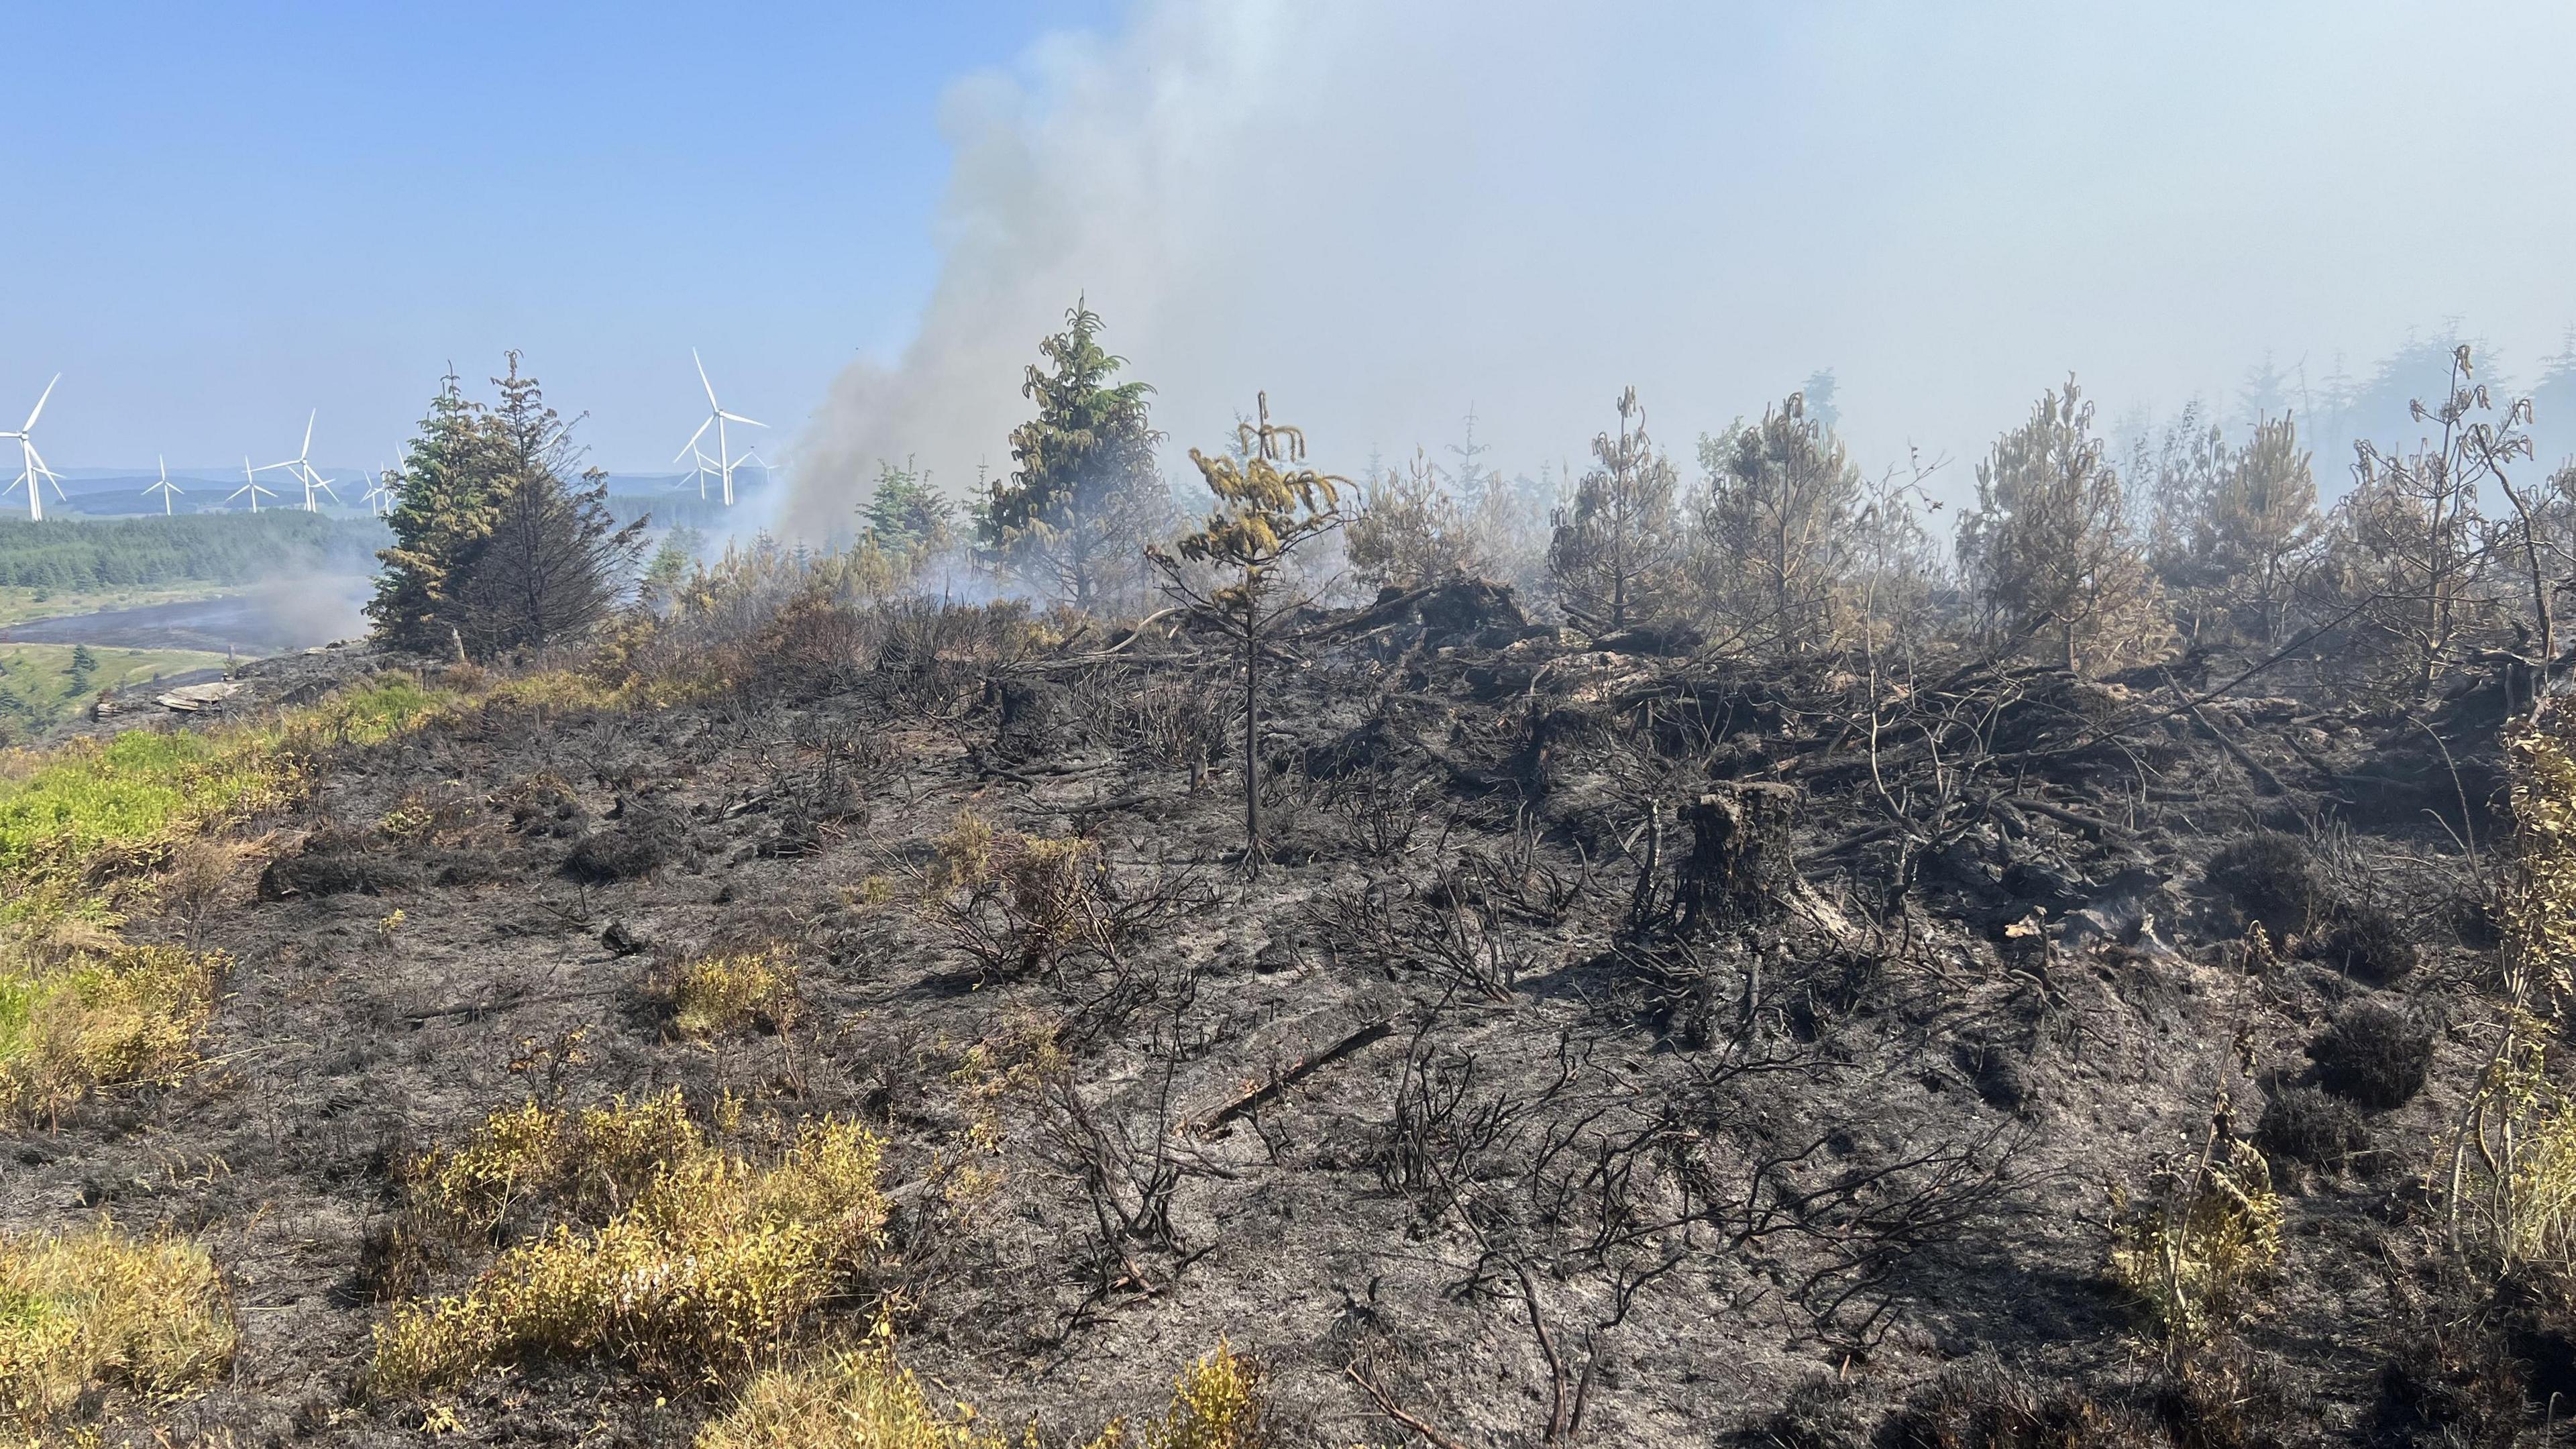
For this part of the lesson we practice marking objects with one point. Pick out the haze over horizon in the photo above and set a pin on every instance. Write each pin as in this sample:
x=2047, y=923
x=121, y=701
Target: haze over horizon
x=1382, y=216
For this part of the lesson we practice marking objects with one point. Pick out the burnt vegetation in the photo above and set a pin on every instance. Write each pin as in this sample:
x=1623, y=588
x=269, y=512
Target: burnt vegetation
x=1691, y=967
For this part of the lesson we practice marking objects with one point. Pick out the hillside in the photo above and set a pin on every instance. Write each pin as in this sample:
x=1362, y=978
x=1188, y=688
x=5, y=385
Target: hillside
x=1614, y=1046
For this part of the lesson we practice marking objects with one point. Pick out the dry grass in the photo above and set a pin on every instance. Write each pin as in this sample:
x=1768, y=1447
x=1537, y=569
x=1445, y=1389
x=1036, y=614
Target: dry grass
x=97, y=1310
x=866, y=1397
x=109, y=1016
x=862, y=1396
x=734, y=991
x=715, y=1264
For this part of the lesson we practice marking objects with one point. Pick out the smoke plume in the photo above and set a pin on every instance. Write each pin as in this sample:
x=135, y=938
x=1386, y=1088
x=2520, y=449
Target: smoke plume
x=1384, y=214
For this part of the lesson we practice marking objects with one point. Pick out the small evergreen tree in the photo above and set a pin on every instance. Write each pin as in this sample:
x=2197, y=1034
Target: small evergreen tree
x=1409, y=531
x=2048, y=549
x=669, y=568
x=2261, y=520
x=443, y=509
x=1266, y=509
x=497, y=546
x=1613, y=549
x=1775, y=527
x=904, y=515
x=1071, y=520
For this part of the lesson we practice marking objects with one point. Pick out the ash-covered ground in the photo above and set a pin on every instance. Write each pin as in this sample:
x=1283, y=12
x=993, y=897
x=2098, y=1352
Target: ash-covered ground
x=1613, y=1045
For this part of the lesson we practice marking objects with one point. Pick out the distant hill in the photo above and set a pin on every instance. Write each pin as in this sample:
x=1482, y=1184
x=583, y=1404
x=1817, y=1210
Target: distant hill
x=119, y=493
x=212, y=549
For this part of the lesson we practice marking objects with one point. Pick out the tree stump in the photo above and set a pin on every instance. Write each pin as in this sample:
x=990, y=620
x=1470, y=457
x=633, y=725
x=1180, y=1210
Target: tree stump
x=1741, y=864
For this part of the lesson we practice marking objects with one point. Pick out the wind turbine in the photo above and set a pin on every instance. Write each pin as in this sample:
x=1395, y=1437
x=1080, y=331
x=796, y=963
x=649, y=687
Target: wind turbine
x=751, y=458
x=717, y=417
x=250, y=485
x=32, y=464
x=167, y=489
x=381, y=493
x=699, y=465
x=300, y=468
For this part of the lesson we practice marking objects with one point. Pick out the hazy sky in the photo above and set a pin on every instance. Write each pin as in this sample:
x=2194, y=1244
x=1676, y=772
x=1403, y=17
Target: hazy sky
x=1380, y=212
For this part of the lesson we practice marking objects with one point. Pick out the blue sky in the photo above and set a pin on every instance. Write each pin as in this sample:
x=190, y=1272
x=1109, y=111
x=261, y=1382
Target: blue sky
x=220, y=216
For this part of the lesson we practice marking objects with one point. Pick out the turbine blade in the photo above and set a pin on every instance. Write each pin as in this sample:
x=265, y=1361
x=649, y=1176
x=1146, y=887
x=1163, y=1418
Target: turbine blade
x=702, y=380
x=739, y=418
x=307, y=449
x=40, y=404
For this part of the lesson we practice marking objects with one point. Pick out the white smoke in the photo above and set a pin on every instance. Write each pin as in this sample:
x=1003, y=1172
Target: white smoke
x=1383, y=214
x=1109, y=171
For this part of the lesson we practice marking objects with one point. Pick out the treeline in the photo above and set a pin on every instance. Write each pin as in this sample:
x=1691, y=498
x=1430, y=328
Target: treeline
x=189, y=549
x=1765, y=539
x=2448, y=553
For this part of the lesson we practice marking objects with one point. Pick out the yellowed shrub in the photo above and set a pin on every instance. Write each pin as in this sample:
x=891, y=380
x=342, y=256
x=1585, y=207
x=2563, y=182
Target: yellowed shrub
x=99, y=1308
x=2536, y=896
x=860, y=1397
x=587, y=1163
x=112, y=1015
x=2193, y=1248
x=734, y=991
x=1217, y=1403
x=713, y=1266
x=1017, y=903
x=2513, y=1160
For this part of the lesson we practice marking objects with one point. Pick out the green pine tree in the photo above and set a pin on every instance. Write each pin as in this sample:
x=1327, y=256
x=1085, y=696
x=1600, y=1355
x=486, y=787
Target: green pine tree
x=552, y=561
x=442, y=512
x=1072, y=519
x=498, y=542
x=904, y=515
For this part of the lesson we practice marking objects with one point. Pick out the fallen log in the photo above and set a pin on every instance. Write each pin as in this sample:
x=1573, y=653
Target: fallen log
x=1305, y=1067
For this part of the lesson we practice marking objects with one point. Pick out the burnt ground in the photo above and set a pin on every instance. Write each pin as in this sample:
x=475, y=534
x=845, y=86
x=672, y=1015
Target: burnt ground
x=1649, y=1060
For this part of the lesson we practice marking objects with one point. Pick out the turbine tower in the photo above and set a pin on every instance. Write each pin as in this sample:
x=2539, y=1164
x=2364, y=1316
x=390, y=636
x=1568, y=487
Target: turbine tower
x=33, y=475
x=300, y=468
x=717, y=417
x=250, y=485
x=167, y=489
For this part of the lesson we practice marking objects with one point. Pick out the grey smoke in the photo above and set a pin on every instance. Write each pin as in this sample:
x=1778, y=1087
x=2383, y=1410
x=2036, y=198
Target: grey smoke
x=1385, y=213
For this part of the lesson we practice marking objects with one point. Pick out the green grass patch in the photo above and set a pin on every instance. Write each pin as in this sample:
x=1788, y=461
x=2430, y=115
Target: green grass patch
x=79, y=1009
x=60, y=807
x=44, y=684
